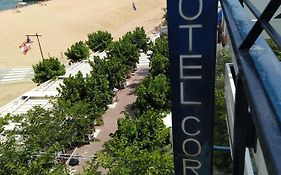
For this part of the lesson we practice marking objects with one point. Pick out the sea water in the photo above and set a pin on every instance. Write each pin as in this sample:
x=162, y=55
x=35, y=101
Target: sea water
x=9, y=4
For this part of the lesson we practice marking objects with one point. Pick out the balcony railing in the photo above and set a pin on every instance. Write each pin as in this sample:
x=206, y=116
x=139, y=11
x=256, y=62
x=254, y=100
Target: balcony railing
x=255, y=119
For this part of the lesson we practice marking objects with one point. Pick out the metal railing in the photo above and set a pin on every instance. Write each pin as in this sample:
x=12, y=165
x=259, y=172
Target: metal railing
x=257, y=111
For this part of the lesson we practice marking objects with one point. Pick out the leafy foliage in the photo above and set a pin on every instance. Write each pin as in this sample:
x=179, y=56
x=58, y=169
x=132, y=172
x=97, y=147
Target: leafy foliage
x=47, y=69
x=31, y=148
x=18, y=159
x=99, y=94
x=141, y=144
x=73, y=88
x=138, y=147
x=99, y=40
x=124, y=50
x=161, y=46
x=3, y=122
x=138, y=38
x=77, y=52
x=153, y=93
x=221, y=160
x=275, y=48
x=113, y=69
x=142, y=131
x=159, y=65
x=40, y=127
x=92, y=91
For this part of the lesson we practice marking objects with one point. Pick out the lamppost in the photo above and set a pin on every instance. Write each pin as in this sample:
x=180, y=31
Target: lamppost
x=37, y=36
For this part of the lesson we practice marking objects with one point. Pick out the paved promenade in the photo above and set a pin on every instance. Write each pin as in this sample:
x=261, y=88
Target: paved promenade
x=125, y=99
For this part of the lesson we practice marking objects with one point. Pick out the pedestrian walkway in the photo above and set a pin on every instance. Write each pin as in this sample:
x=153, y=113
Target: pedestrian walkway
x=144, y=60
x=17, y=74
x=126, y=98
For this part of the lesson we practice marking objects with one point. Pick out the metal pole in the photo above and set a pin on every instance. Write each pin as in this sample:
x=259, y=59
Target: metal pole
x=37, y=36
x=240, y=128
x=39, y=46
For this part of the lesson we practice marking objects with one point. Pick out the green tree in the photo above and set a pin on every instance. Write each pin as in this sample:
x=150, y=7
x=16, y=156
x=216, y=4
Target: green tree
x=153, y=93
x=20, y=159
x=139, y=146
x=112, y=68
x=116, y=72
x=99, y=94
x=77, y=124
x=161, y=46
x=77, y=52
x=73, y=89
x=40, y=127
x=32, y=147
x=159, y=64
x=47, y=69
x=146, y=130
x=98, y=41
x=124, y=50
x=93, y=91
x=3, y=122
x=138, y=38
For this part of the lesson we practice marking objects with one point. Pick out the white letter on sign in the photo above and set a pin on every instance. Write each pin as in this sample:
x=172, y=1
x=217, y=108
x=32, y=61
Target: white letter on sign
x=184, y=147
x=191, y=166
x=189, y=18
x=186, y=120
x=182, y=67
x=190, y=27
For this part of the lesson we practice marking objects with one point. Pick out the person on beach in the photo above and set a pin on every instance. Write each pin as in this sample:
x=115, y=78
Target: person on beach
x=134, y=6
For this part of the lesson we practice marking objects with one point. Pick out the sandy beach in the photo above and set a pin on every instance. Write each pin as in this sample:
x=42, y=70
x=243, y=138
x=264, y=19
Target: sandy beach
x=62, y=23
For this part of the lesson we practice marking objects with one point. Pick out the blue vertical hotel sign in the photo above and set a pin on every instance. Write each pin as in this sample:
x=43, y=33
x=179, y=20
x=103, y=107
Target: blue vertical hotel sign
x=192, y=49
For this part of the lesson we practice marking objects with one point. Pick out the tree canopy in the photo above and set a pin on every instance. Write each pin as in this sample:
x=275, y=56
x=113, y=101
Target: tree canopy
x=141, y=139
x=139, y=146
x=153, y=93
x=32, y=146
x=99, y=41
x=126, y=51
x=47, y=69
x=159, y=65
x=112, y=68
x=138, y=38
x=93, y=91
x=77, y=52
x=161, y=46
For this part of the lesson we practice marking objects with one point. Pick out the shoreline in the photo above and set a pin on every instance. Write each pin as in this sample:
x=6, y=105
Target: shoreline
x=15, y=6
